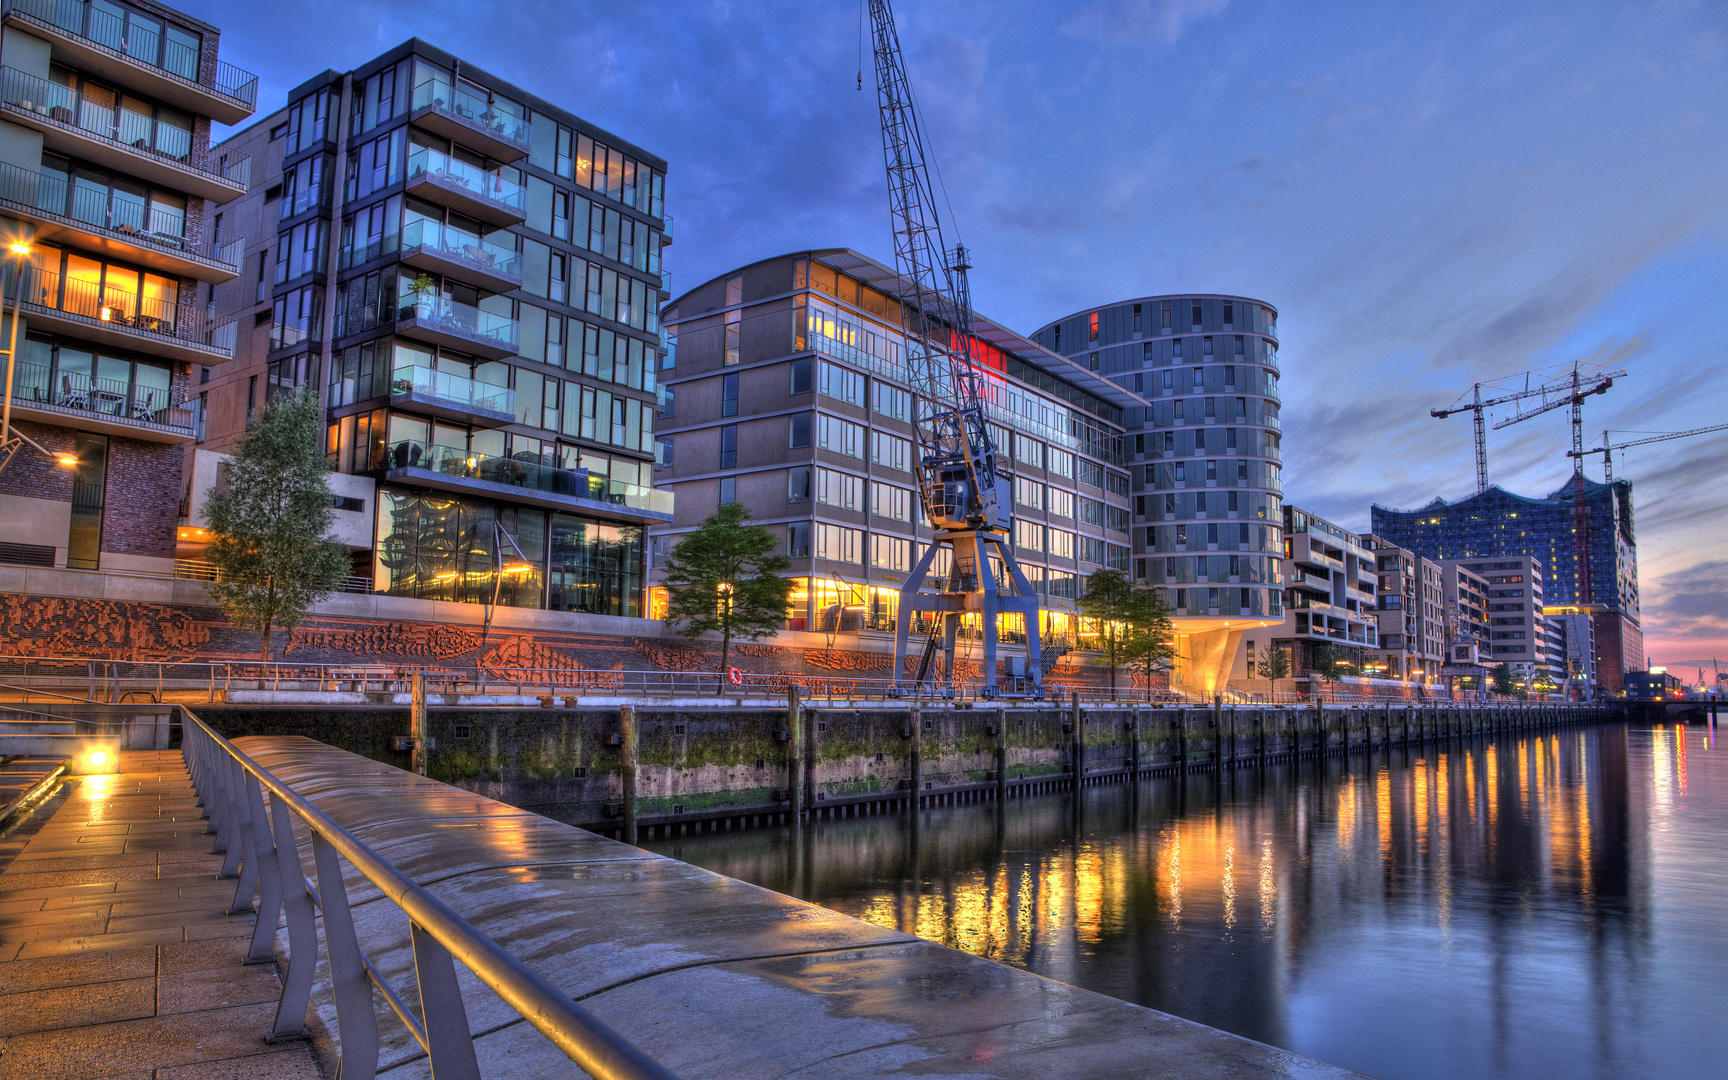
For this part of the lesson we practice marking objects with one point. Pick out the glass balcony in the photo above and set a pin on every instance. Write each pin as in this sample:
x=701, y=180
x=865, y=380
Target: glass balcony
x=129, y=142
x=116, y=222
x=141, y=408
x=471, y=191
x=117, y=315
x=453, y=396
x=143, y=52
x=494, y=127
x=439, y=320
x=532, y=481
x=462, y=255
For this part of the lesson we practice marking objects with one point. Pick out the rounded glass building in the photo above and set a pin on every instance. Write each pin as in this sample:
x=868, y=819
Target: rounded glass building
x=1207, y=494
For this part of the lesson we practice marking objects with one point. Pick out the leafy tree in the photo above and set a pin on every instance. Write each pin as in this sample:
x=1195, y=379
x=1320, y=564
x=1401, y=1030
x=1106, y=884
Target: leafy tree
x=1273, y=664
x=1109, y=600
x=1330, y=663
x=1502, y=677
x=271, y=546
x=725, y=577
x=1151, y=638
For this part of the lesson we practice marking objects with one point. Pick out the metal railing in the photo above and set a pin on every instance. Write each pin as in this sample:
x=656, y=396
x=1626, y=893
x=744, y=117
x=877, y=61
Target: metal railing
x=204, y=570
x=115, y=306
x=439, y=92
x=455, y=317
x=523, y=472
x=95, y=209
x=137, y=40
x=111, y=399
x=485, y=183
x=455, y=243
x=256, y=837
x=456, y=390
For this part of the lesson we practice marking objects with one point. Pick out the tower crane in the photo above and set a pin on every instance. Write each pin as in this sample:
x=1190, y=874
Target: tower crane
x=1477, y=404
x=965, y=497
x=1607, y=448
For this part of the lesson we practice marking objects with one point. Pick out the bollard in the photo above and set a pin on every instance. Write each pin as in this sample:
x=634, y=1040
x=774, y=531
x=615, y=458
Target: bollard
x=1001, y=754
x=1181, y=723
x=417, y=724
x=1134, y=741
x=917, y=729
x=1079, y=742
x=627, y=723
x=809, y=725
x=794, y=755
x=1232, y=723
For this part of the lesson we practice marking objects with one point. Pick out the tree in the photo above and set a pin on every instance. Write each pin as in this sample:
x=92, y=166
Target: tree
x=1109, y=601
x=1151, y=638
x=1273, y=664
x=270, y=525
x=1329, y=663
x=725, y=577
x=1502, y=676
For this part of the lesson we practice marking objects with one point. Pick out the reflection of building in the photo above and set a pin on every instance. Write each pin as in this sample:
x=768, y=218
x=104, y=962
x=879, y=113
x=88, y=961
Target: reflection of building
x=1411, y=611
x=1205, y=455
x=788, y=392
x=105, y=166
x=476, y=298
x=1329, y=589
x=1497, y=524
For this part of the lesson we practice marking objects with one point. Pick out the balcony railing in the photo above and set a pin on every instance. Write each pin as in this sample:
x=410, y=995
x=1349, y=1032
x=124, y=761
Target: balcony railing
x=525, y=473
x=140, y=43
x=116, y=125
x=94, y=209
x=479, y=182
x=459, y=391
x=115, y=307
x=457, y=243
x=442, y=313
x=440, y=93
x=109, y=399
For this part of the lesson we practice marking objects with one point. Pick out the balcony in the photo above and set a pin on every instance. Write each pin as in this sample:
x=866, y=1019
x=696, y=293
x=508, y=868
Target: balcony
x=452, y=397
x=133, y=232
x=461, y=256
x=123, y=319
x=441, y=321
x=117, y=138
x=470, y=191
x=109, y=407
x=524, y=482
x=464, y=117
x=137, y=56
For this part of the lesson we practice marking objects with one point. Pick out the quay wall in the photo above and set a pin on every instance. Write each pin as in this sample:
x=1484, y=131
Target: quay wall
x=697, y=768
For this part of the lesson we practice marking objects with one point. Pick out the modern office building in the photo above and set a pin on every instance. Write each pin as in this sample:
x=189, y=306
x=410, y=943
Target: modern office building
x=105, y=169
x=1519, y=633
x=1204, y=456
x=1330, y=582
x=470, y=277
x=787, y=391
x=1411, y=612
x=1497, y=524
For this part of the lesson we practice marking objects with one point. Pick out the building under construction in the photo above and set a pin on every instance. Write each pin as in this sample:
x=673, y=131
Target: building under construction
x=1498, y=523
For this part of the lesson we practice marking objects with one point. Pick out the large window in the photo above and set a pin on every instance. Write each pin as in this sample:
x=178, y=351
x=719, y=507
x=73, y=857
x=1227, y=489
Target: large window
x=109, y=201
x=111, y=114
x=595, y=567
x=104, y=291
x=71, y=375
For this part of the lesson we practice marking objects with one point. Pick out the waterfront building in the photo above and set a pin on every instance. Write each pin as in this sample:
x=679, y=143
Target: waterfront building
x=105, y=172
x=1203, y=451
x=1519, y=633
x=1497, y=524
x=1330, y=583
x=1411, y=612
x=786, y=390
x=470, y=277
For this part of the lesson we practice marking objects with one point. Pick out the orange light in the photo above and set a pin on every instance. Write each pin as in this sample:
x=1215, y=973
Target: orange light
x=67, y=459
x=19, y=247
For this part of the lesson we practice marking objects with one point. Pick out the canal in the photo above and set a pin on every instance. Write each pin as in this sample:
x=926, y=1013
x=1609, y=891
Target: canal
x=1541, y=906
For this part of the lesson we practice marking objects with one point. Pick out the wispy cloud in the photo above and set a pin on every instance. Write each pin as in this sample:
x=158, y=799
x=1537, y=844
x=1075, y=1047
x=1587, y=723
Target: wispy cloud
x=1125, y=21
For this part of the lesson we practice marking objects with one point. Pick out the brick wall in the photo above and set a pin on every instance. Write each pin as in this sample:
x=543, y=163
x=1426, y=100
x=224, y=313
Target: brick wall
x=32, y=475
x=142, y=504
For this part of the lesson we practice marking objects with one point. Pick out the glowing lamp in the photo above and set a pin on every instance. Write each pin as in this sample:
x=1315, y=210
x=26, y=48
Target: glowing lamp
x=19, y=247
x=67, y=459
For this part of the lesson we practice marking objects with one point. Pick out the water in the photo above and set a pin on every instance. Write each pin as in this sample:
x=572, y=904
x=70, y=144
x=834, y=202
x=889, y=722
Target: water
x=1550, y=906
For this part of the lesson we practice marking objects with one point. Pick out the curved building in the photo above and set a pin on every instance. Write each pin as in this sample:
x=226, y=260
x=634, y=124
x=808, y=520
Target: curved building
x=1204, y=448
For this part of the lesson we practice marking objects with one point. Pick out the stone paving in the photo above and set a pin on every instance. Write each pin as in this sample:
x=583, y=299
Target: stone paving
x=116, y=956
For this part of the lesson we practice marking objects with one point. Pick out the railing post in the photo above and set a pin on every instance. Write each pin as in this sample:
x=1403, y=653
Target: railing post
x=356, y=1020
x=229, y=837
x=450, y=1044
x=263, y=946
x=290, y=1020
x=243, y=844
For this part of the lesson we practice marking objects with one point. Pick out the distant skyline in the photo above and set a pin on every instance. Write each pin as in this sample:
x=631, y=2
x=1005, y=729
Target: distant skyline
x=1430, y=194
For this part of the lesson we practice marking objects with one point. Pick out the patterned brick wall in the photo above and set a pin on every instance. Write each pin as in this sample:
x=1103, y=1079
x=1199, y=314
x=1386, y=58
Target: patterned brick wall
x=142, y=505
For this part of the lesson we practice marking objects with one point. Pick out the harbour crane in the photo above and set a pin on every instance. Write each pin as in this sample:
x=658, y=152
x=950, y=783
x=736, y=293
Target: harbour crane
x=1546, y=392
x=1607, y=448
x=964, y=495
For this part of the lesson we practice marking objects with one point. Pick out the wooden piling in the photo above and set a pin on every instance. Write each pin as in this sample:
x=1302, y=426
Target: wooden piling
x=627, y=723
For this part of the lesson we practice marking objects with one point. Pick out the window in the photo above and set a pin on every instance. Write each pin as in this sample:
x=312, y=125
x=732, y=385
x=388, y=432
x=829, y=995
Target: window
x=733, y=325
x=890, y=451
x=800, y=430
x=1061, y=503
x=1165, y=315
x=798, y=539
x=728, y=490
x=890, y=552
x=1061, y=544
x=1136, y=322
x=1212, y=533
x=1028, y=536
x=663, y=453
x=1211, y=470
x=1230, y=439
x=1091, y=473
x=798, y=484
x=839, y=489
x=729, y=395
x=840, y=436
x=891, y=400
x=1028, y=493
x=839, y=543
x=801, y=381
x=729, y=446
x=1028, y=452
x=1092, y=327
x=1206, y=346
x=840, y=383
x=888, y=501
x=1197, y=315
x=1242, y=470
x=1176, y=349
x=1116, y=484
x=1240, y=343
x=1061, y=463
x=668, y=401
x=1116, y=518
x=1091, y=511
x=1229, y=314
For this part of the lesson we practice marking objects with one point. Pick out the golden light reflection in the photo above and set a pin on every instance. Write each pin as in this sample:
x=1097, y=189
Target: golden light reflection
x=1383, y=812
x=1268, y=885
x=1347, y=811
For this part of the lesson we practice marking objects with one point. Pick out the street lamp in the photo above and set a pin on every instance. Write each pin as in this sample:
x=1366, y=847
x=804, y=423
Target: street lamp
x=8, y=444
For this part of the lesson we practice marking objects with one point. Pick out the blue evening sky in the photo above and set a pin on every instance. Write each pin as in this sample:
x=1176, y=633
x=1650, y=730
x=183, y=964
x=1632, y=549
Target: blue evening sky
x=1430, y=193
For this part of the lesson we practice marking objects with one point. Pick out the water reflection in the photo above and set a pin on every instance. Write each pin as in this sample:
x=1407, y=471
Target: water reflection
x=1544, y=906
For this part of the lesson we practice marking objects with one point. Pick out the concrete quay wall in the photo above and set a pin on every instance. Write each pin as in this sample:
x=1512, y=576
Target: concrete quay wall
x=710, y=976
x=710, y=768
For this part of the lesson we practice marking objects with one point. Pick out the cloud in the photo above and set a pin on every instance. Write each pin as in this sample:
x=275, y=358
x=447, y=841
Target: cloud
x=1118, y=22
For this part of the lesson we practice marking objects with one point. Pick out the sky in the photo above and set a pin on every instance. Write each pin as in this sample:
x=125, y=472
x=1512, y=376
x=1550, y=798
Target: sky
x=1430, y=194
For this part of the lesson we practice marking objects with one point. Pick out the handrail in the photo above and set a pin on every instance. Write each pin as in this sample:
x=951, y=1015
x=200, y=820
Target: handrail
x=260, y=849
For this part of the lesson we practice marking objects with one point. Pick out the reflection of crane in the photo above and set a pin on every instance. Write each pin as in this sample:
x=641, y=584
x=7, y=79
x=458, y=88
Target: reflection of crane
x=964, y=497
x=1546, y=392
x=1607, y=449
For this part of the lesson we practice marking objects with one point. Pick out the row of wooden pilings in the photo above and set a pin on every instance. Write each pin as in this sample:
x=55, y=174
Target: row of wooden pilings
x=1362, y=728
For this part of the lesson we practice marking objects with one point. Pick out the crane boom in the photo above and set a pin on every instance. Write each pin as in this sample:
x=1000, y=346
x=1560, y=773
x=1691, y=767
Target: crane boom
x=1558, y=395
x=1478, y=404
x=964, y=496
x=1607, y=448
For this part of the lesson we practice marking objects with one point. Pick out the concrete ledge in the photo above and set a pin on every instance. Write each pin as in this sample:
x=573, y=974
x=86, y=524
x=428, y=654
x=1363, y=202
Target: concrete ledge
x=709, y=975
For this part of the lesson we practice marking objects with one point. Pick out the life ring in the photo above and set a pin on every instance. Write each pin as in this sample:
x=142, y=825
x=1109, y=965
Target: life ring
x=736, y=676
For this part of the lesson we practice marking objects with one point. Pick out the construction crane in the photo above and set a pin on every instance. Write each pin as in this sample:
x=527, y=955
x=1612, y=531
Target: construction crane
x=1607, y=449
x=965, y=497
x=1477, y=404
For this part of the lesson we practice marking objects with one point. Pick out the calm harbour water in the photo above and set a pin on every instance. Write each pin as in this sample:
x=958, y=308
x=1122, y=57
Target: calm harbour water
x=1551, y=906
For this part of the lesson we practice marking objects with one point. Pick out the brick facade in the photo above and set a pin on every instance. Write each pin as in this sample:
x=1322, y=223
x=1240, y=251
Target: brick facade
x=141, y=507
x=33, y=476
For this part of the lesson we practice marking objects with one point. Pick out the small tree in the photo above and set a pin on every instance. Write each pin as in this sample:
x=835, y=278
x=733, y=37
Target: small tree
x=1501, y=674
x=1329, y=664
x=725, y=577
x=271, y=542
x=1151, y=643
x=1109, y=600
x=1274, y=664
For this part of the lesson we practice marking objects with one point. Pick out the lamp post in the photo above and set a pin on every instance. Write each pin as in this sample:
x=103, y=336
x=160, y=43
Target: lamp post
x=7, y=446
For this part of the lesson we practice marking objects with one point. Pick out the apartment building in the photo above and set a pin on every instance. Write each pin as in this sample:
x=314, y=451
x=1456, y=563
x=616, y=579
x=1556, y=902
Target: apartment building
x=105, y=170
x=1204, y=455
x=1411, y=612
x=1330, y=587
x=786, y=389
x=470, y=277
x=1468, y=646
x=1519, y=633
